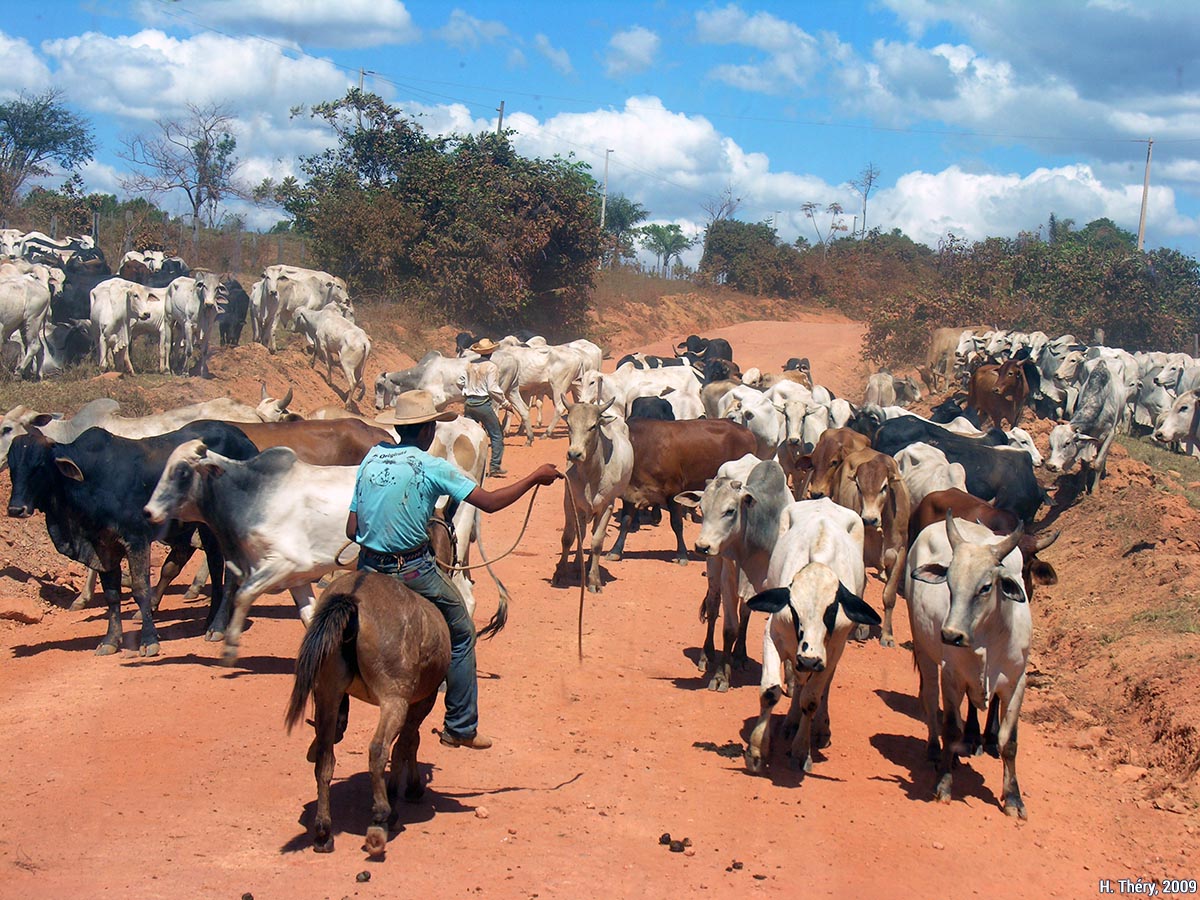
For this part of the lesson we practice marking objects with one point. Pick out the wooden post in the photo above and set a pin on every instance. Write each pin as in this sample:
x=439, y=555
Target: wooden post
x=96, y=226
x=54, y=226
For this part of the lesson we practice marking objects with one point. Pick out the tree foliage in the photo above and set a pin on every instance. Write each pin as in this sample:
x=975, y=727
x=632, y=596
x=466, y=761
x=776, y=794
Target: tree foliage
x=666, y=242
x=35, y=131
x=621, y=217
x=462, y=223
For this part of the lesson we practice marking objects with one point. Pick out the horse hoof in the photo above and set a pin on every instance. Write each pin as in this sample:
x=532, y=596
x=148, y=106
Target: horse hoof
x=106, y=650
x=149, y=650
x=376, y=840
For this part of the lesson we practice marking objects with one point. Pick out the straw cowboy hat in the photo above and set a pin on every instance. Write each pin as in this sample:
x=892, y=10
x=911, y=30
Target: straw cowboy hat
x=412, y=408
x=485, y=346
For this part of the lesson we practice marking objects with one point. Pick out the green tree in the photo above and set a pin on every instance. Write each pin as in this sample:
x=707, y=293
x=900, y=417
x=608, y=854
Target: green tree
x=195, y=155
x=621, y=217
x=666, y=242
x=36, y=130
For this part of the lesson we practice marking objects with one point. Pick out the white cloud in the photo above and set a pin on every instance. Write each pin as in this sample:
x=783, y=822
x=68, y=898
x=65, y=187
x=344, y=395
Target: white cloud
x=467, y=32
x=149, y=75
x=559, y=58
x=318, y=23
x=793, y=55
x=23, y=69
x=516, y=59
x=631, y=51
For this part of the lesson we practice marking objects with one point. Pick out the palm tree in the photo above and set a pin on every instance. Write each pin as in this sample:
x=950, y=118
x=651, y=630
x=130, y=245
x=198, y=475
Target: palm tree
x=665, y=242
x=620, y=218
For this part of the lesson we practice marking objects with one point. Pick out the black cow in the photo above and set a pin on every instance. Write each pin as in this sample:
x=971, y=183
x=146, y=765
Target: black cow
x=950, y=409
x=1003, y=476
x=649, y=361
x=651, y=408
x=92, y=491
x=232, y=316
x=707, y=348
x=797, y=364
x=463, y=341
x=74, y=301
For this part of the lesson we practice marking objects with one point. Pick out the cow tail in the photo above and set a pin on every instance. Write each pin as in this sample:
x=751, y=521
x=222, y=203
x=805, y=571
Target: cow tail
x=500, y=618
x=334, y=621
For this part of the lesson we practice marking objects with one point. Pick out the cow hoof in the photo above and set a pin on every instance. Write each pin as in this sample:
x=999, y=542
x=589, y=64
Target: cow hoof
x=888, y=641
x=137, y=615
x=719, y=684
x=614, y=557
x=943, y=789
x=149, y=650
x=595, y=588
x=755, y=764
x=1014, y=808
x=81, y=602
x=376, y=840
x=191, y=595
x=106, y=650
x=229, y=657
x=323, y=846
x=682, y=560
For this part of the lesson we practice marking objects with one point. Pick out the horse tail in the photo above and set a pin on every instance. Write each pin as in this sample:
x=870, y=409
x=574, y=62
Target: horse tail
x=335, y=618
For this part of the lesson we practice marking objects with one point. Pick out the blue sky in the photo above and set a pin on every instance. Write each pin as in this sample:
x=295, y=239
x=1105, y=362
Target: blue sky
x=981, y=118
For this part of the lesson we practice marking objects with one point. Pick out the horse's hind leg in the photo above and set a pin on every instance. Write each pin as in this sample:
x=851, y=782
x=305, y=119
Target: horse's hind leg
x=392, y=712
x=327, y=697
x=404, y=756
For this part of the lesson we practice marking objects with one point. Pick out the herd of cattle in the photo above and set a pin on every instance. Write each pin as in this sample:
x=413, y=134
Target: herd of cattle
x=799, y=491
x=61, y=302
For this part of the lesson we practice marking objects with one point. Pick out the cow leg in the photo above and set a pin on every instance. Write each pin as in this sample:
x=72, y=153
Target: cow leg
x=110, y=581
x=198, y=581
x=759, y=751
x=741, y=659
x=572, y=525
x=722, y=670
x=800, y=718
x=628, y=515
x=306, y=602
x=218, y=605
x=952, y=695
x=971, y=743
x=1010, y=712
x=681, y=554
x=180, y=553
x=710, y=608
x=990, y=743
x=560, y=409
x=522, y=409
x=392, y=713
x=894, y=568
x=599, y=527
x=139, y=574
x=927, y=669
x=254, y=583
x=89, y=591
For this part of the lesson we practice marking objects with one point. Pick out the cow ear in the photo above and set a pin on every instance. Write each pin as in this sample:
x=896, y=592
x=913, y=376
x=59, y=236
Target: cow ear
x=930, y=573
x=770, y=601
x=855, y=608
x=68, y=467
x=690, y=499
x=665, y=391
x=1011, y=589
x=44, y=419
x=1042, y=572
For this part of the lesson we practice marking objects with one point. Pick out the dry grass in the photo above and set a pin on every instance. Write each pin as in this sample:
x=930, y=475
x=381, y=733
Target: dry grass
x=1175, y=472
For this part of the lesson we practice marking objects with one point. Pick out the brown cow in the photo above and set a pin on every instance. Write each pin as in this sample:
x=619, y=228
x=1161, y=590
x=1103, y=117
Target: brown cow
x=999, y=392
x=869, y=483
x=318, y=442
x=672, y=457
x=939, y=361
x=965, y=506
x=834, y=445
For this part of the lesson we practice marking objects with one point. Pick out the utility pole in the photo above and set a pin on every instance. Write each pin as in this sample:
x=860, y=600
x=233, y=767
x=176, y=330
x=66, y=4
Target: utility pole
x=604, y=202
x=500, y=121
x=1145, y=196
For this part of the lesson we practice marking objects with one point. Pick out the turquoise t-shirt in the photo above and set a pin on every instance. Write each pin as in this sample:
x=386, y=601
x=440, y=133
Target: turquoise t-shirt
x=395, y=492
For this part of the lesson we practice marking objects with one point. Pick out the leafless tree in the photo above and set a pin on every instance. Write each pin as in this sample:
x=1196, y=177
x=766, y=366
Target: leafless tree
x=723, y=206
x=863, y=184
x=194, y=154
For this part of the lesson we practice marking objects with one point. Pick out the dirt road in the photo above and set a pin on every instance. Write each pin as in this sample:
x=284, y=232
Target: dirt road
x=173, y=777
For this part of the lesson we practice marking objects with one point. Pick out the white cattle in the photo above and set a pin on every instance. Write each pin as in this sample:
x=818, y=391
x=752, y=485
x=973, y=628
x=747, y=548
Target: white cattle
x=925, y=469
x=287, y=539
x=331, y=335
x=1180, y=421
x=289, y=288
x=813, y=594
x=600, y=459
x=1086, y=438
x=257, y=294
x=741, y=510
x=840, y=413
x=59, y=429
x=150, y=319
x=435, y=373
x=676, y=384
x=24, y=306
x=113, y=304
x=971, y=625
x=10, y=241
x=761, y=417
x=192, y=305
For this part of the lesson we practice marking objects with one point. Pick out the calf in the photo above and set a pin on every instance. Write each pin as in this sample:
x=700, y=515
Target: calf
x=332, y=335
x=741, y=512
x=816, y=580
x=232, y=318
x=670, y=458
x=971, y=625
x=869, y=483
x=600, y=458
x=92, y=491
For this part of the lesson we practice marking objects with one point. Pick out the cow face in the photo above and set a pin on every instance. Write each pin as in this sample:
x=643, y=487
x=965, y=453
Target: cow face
x=584, y=422
x=978, y=583
x=1023, y=440
x=793, y=417
x=30, y=459
x=1175, y=424
x=1067, y=447
x=816, y=423
x=175, y=494
x=873, y=482
x=816, y=605
x=723, y=507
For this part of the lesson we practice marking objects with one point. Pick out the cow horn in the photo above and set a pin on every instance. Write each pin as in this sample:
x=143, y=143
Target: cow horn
x=952, y=531
x=263, y=397
x=1006, y=546
x=287, y=398
x=610, y=402
x=1044, y=540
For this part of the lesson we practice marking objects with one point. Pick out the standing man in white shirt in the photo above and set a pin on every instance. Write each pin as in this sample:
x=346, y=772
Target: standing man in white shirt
x=480, y=385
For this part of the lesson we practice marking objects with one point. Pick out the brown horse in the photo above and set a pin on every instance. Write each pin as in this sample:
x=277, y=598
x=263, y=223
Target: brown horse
x=376, y=639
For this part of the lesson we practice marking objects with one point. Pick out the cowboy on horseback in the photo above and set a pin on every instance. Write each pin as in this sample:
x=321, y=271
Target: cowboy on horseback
x=394, y=497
